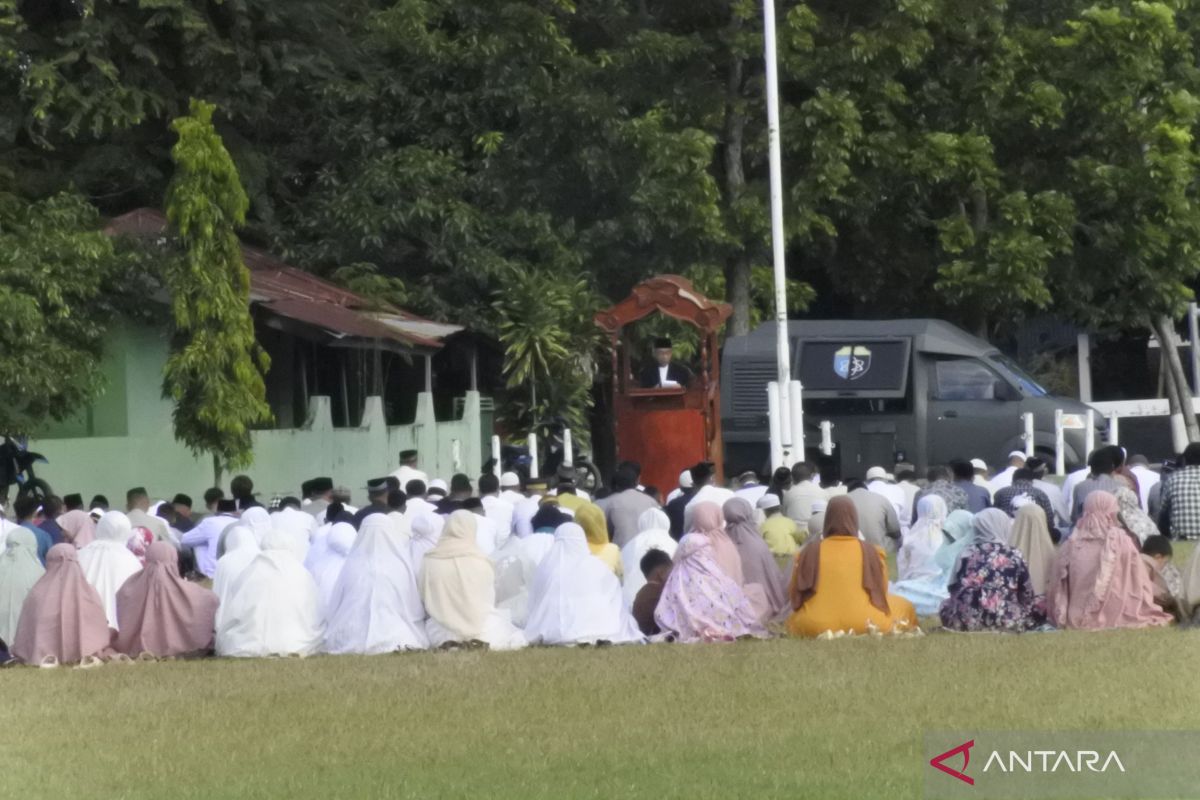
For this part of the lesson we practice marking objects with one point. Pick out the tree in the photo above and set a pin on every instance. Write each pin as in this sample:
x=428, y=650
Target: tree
x=56, y=272
x=551, y=342
x=215, y=370
x=1131, y=82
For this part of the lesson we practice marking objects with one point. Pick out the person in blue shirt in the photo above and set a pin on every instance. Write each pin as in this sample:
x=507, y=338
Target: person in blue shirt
x=978, y=498
x=28, y=511
x=52, y=509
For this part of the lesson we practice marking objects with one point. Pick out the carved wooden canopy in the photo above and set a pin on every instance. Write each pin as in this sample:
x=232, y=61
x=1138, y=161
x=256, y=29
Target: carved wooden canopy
x=674, y=296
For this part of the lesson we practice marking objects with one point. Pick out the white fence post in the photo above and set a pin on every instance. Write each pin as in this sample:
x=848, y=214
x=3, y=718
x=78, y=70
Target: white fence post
x=568, y=448
x=496, y=466
x=1113, y=428
x=1060, y=454
x=773, y=425
x=1089, y=436
x=1027, y=417
x=796, y=416
x=531, y=443
x=456, y=454
x=826, y=437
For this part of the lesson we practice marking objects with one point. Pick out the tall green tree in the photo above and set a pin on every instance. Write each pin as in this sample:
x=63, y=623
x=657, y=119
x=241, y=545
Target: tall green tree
x=1131, y=82
x=214, y=373
x=56, y=270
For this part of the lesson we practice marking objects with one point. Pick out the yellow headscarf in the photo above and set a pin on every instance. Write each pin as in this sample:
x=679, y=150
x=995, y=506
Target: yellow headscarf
x=589, y=517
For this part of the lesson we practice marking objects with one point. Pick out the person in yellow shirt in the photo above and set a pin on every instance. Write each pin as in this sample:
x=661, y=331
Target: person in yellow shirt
x=840, y=582
x=782, y=535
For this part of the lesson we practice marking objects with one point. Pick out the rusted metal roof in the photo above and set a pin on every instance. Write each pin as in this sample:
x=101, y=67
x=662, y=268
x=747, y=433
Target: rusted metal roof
x=286, y=291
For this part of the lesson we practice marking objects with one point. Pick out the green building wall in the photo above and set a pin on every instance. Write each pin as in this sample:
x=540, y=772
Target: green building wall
x=125, y=439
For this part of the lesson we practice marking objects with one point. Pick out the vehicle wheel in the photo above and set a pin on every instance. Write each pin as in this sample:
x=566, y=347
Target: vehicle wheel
x=587, y=477
x=37, y=488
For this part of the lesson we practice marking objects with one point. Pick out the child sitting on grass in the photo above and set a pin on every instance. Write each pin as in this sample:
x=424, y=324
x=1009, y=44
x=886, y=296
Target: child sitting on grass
x=1168, y=583
x=656, y=566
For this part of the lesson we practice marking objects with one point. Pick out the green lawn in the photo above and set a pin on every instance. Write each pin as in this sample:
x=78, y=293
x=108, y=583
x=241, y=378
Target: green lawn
x=782, y=718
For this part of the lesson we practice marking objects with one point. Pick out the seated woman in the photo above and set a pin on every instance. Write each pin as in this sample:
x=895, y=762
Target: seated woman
x=62, y=619
x=654, y=533
x=161, y=613
x=1099, y=580
x=19, y=571
x=1031, y=538
x=700, y=602
x=595, y=527
x=763, y=582
x=957, y=531
x=107, y=562
x=990, y=588
x=375, y=606
x=709, y=521
x=839, y=583
x=575, y=599
x=458, y=589
x=273, y=608
x=327, y=568
x=922, y=582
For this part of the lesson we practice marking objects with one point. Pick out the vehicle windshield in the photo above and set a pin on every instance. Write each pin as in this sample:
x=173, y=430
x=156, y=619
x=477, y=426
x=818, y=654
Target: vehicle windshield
x=1026, y=381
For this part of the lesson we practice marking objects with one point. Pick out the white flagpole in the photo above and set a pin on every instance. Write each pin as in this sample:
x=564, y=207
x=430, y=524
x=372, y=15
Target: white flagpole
x=782, y=350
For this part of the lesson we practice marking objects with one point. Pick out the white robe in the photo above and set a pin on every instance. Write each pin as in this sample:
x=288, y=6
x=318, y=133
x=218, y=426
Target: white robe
x=426, y=530
x=516, y=563
x=576, y=598
x=654, y=533
x=376, y=607
x=240, y=549
x=298, y=526
x=273, y=607
x=107, y=563
x=500, y=512
x=328, y=568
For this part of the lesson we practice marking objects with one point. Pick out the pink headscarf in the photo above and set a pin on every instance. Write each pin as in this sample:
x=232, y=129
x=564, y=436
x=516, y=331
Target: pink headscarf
x=1098, y=580
x=79, y=527
x=160, y=613
x=700, y=602
x=62, y=617
x=708, y=519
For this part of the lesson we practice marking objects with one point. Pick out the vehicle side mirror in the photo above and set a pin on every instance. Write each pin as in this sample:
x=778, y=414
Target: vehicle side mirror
x=1003, y=390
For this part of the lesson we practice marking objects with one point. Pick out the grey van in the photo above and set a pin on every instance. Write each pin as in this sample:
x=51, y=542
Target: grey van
x=922, y=389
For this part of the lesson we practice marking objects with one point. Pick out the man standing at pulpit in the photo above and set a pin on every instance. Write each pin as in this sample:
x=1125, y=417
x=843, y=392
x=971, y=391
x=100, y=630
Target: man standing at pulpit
x=664, y=374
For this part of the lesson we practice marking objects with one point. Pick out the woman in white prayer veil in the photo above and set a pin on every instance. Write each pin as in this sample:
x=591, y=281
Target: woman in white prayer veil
x=107, y=562
x=299, y=527
x=654, y=533
x=376, y=607
x=458, y=588
x=329, y=567
x=426, y=531
x=922, y=581
x=576, y=598
x=240, y=549
x=516, y=563
x=256, y=519
x=273, y=607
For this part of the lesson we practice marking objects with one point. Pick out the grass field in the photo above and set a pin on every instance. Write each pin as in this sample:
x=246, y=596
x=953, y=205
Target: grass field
x=781, y=718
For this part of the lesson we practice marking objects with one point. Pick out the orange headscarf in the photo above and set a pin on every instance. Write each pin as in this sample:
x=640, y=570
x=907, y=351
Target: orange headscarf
x=841, y=519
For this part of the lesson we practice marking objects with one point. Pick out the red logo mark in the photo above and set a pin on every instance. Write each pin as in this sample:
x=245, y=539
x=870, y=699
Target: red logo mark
x=965, y=748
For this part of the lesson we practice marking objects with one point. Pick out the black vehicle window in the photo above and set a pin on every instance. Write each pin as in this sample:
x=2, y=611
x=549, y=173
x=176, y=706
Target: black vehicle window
x=963, y=379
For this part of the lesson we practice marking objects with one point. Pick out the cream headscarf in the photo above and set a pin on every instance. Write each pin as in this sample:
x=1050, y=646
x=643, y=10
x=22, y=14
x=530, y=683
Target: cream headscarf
x=1031, y=536
x=458, y=580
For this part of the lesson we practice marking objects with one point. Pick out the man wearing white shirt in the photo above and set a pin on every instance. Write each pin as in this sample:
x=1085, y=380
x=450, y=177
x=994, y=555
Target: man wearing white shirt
x=500, y=512
x=485, y=530
x=510, y=488
x=749, y=489
x=1146, y=477
x=663, y=374
x=203, y=538
x=523, y=511
x=702, y=474
x=415, y=503
x=1004, y=478
x=880, y=482
x=408, y=469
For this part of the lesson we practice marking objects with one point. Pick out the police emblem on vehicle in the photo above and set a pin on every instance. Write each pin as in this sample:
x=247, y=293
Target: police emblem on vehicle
x=851, y=362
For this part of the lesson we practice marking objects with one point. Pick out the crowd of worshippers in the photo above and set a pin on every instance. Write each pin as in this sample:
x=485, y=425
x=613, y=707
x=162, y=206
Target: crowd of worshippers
x=505, y=563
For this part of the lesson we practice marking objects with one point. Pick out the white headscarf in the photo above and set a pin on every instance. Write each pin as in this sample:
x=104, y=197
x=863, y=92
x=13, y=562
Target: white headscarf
x=107, y=562
x=273, y=607
x=328, y=568
x=516, y=562
x=914, y=561
x=258, y=520
x=375, y=607
x=575, y=597
x=299, y=527
x=654, y=533
x=240, y=549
